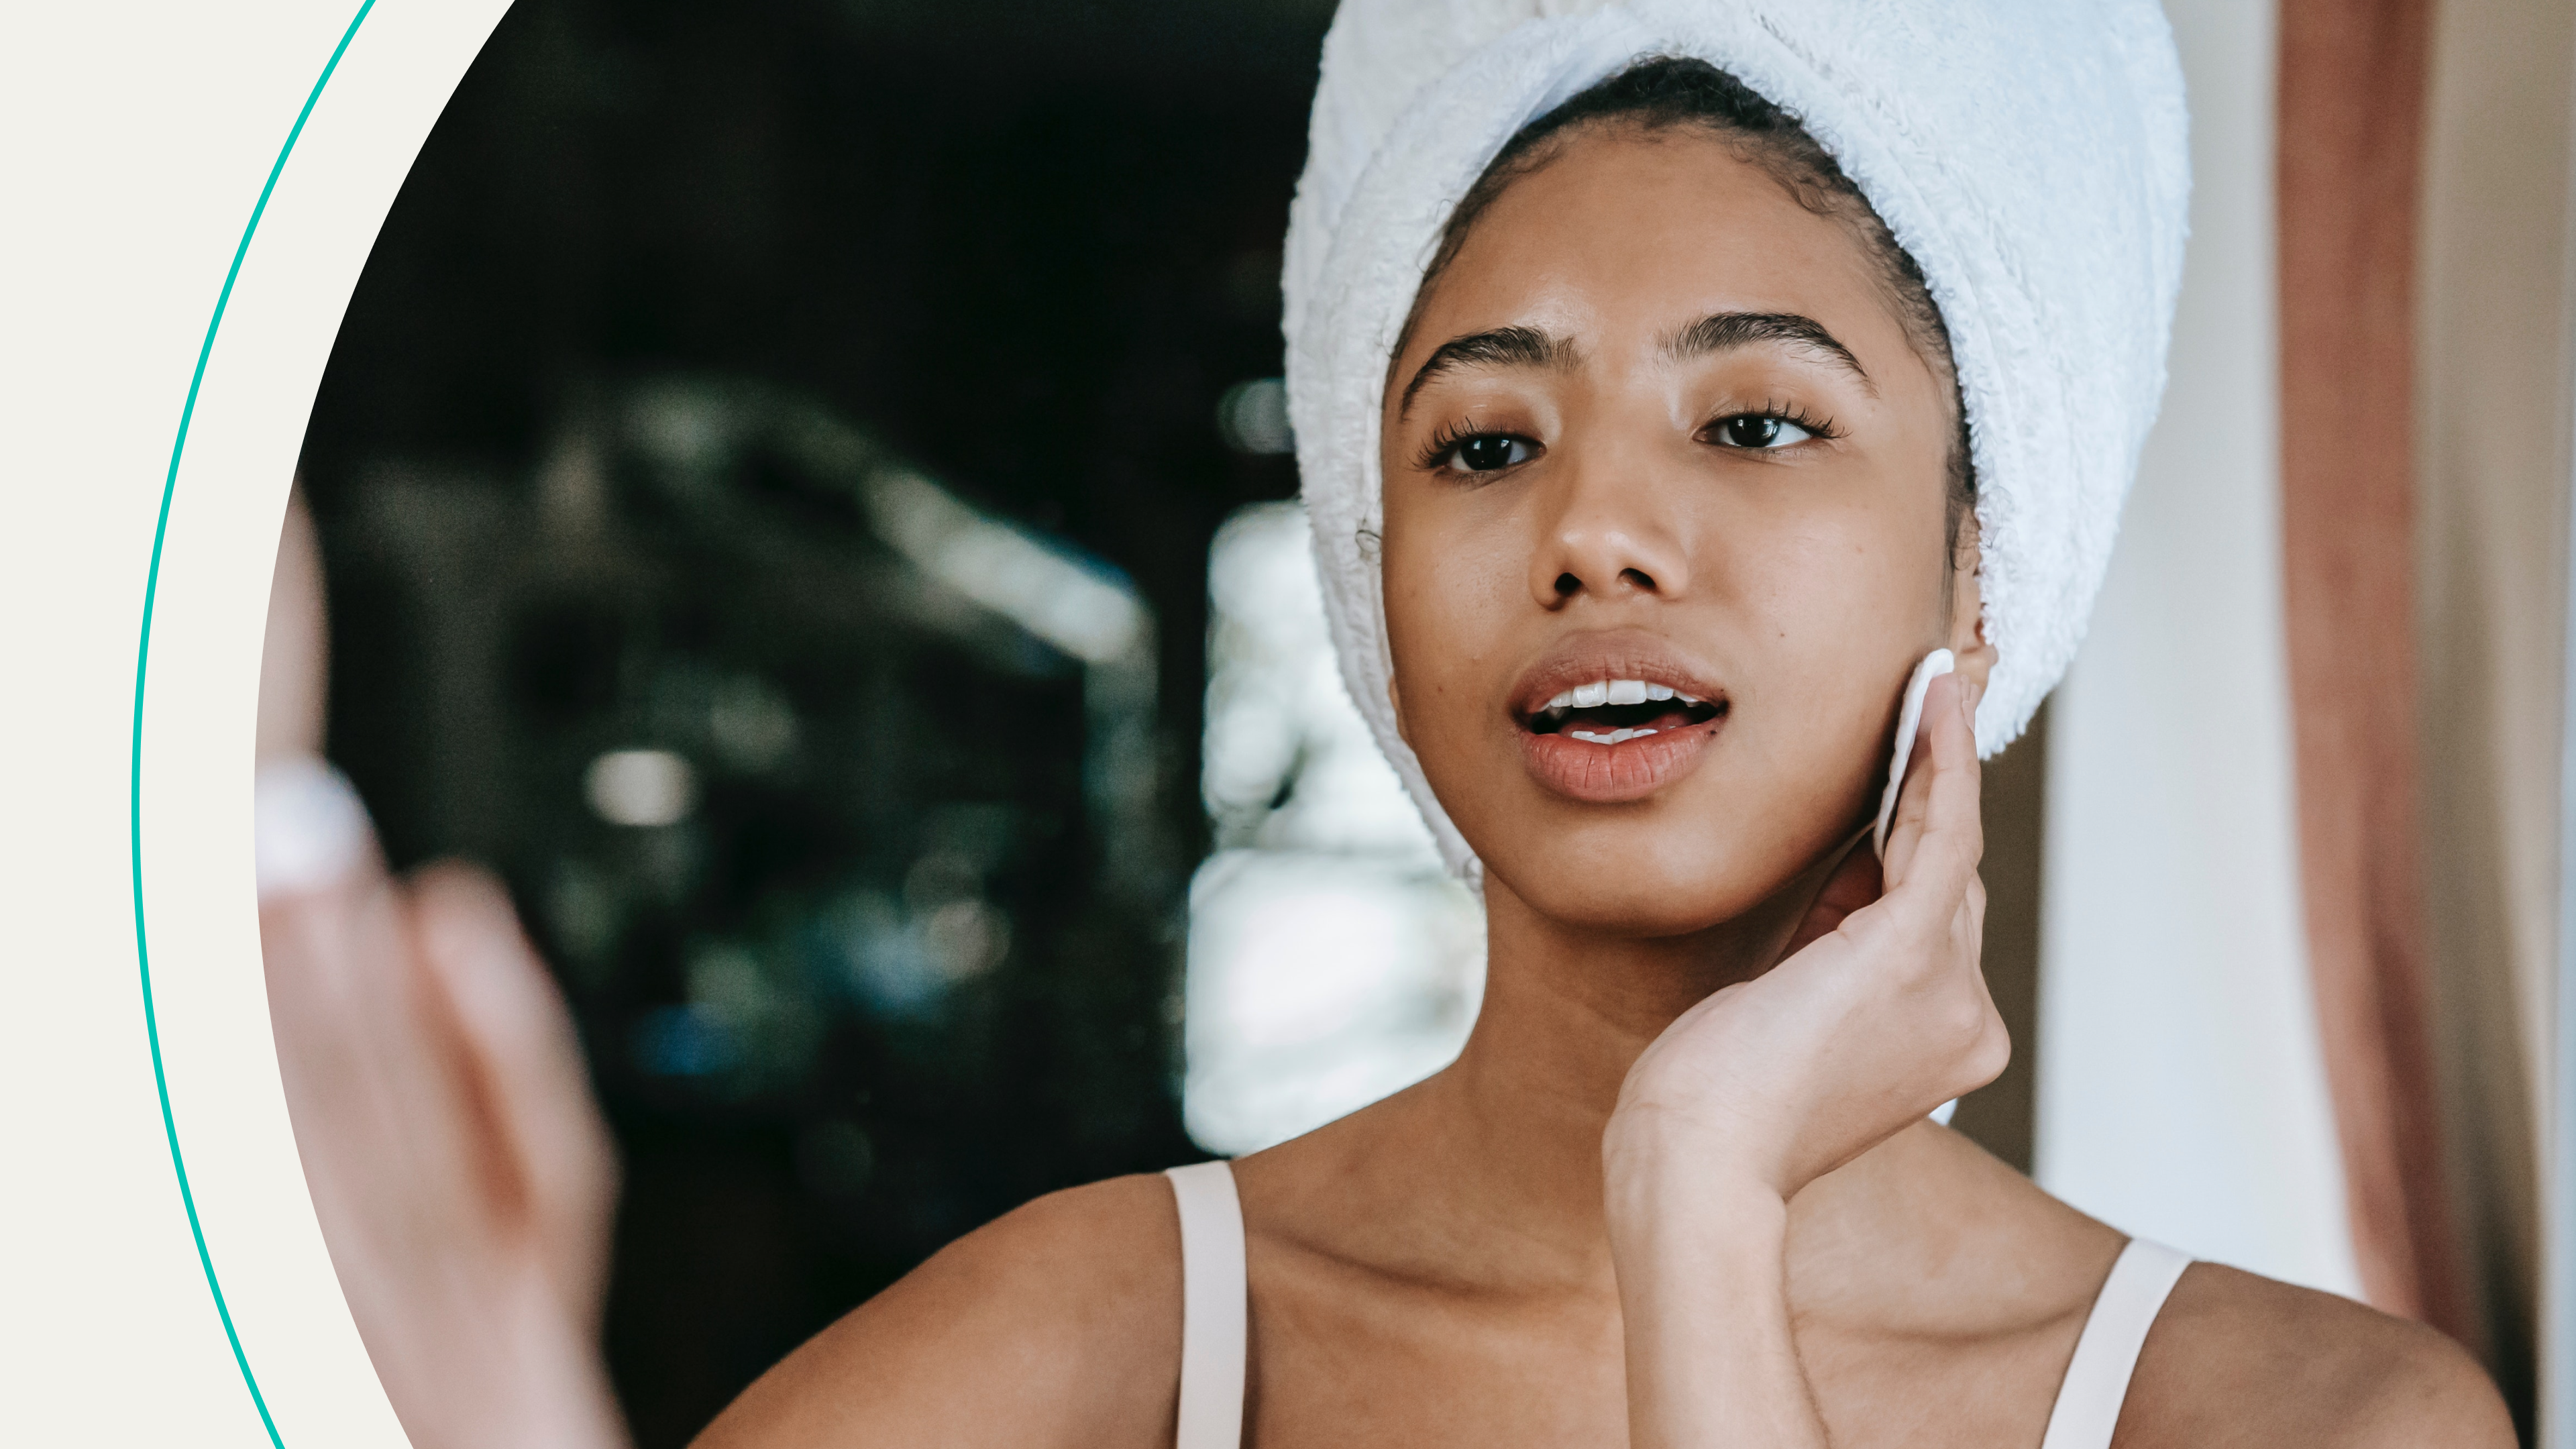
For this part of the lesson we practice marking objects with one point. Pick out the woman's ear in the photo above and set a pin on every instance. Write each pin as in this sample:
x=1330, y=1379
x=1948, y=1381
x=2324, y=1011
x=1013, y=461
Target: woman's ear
x=1974, y=655
x=1973, y=658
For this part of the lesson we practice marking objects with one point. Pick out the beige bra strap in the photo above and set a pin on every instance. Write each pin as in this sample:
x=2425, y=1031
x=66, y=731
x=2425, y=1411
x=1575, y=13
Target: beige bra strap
x=1213, y=1338
x=2097, y=1379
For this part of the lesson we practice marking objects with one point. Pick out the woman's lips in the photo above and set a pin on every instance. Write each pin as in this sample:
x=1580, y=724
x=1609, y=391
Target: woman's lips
x=1608, y=774
x=1646, y=708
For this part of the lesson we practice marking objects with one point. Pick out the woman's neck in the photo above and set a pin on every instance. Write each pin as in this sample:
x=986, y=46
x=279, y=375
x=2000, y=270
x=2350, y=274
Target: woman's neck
x=1512, y=1131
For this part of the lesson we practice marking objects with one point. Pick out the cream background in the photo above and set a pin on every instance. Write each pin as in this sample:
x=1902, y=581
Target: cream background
x=134, y=140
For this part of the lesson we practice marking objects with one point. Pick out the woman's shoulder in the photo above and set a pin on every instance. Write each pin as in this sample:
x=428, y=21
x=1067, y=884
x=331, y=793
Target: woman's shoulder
x=2239, y=1359
x=1058, y=1323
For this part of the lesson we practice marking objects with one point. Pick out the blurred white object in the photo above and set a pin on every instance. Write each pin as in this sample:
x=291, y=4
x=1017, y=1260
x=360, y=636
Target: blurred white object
x=1252, y=417
x=1065, y=600
x=1331, y=960
x=2182, y=1089
x=641, y=787
x=309, y=829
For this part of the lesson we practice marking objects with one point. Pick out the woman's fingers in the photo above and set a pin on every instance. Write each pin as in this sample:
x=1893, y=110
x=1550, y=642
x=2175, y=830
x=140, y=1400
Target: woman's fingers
x=1923, y=937
x=1855, y=882
x=361, y=1077
x=388, y=1166
x=1937, y=836
x=524, y=1067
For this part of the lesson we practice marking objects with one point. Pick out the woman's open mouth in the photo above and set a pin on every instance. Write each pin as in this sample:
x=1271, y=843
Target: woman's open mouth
x=1615, y=711
x=1618, y=737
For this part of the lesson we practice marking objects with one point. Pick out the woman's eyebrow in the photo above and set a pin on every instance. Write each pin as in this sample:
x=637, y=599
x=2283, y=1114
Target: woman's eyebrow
x=1727, y=331
x=1501, y=347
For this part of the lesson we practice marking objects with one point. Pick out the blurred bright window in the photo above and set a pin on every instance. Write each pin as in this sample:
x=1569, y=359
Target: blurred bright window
x=1331, y=960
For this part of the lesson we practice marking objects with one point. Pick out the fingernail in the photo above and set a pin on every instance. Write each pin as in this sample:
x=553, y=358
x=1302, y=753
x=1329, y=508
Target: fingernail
x=309, y=830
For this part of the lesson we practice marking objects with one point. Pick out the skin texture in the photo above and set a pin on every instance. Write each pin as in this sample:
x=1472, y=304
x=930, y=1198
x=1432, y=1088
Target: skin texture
x=1679, y=1188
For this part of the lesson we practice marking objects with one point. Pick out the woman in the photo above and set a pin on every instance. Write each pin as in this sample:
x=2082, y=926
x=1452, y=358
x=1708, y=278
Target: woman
x=1643, y=477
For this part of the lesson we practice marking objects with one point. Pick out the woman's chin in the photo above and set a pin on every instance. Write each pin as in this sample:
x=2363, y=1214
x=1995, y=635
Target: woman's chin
x=1640, y=890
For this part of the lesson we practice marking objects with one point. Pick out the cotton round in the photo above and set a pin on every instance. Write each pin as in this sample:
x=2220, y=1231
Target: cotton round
x=2029, y=154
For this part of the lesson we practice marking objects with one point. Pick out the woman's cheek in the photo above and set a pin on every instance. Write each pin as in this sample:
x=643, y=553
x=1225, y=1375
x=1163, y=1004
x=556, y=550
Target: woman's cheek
x=1448, y=601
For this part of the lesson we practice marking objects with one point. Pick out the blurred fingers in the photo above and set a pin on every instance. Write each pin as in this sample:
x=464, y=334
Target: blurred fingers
x=341, y=996
x=367, y=1073
x=293, y=662
x=550, y=1155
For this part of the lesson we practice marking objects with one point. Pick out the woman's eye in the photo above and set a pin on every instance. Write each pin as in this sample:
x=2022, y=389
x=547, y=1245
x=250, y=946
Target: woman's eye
x=1759, y=430
x=1486, y=452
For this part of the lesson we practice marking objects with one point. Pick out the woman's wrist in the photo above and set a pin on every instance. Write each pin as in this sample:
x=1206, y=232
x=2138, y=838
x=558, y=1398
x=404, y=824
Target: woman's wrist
x=1693, y=1225
x=1654, y=1159
x=1700, y=1247
x=1679, y=1203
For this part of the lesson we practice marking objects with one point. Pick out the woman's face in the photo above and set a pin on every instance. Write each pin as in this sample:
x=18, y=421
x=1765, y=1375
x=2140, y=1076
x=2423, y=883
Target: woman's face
x=1665, y=534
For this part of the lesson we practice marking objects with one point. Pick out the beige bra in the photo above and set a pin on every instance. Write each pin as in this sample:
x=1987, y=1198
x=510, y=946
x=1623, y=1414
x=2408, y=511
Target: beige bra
x=1213, y=1342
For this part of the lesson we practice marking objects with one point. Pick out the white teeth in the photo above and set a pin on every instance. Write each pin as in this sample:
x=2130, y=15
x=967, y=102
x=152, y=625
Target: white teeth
x=1617, y=691
x=1615, y=737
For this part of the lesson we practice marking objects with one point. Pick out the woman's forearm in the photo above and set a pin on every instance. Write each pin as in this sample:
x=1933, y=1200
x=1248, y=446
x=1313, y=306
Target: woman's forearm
x=1701, y=1258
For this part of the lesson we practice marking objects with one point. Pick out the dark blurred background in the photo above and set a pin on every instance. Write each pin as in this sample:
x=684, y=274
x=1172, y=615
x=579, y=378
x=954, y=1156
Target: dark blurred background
x=675, y=301
x=766, y=480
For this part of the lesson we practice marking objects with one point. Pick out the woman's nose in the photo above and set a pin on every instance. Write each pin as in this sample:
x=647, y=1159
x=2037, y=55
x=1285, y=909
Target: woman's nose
x=1606, y=541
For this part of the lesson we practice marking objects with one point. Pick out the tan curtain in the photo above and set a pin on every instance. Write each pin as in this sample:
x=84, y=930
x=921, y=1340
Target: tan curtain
x=2423, y=201
x=2352, y=81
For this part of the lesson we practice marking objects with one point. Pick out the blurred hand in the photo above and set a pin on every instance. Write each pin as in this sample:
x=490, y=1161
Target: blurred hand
x=462, y=1176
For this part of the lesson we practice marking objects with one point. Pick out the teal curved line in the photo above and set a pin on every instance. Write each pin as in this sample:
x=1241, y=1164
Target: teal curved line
x=134, y=780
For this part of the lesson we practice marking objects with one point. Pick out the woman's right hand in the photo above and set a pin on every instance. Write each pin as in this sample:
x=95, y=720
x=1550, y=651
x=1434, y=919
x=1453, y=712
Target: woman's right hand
x=1878, y=1013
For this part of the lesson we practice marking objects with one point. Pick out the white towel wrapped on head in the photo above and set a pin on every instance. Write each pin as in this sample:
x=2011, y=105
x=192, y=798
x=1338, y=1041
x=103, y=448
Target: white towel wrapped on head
x=2028, y=154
